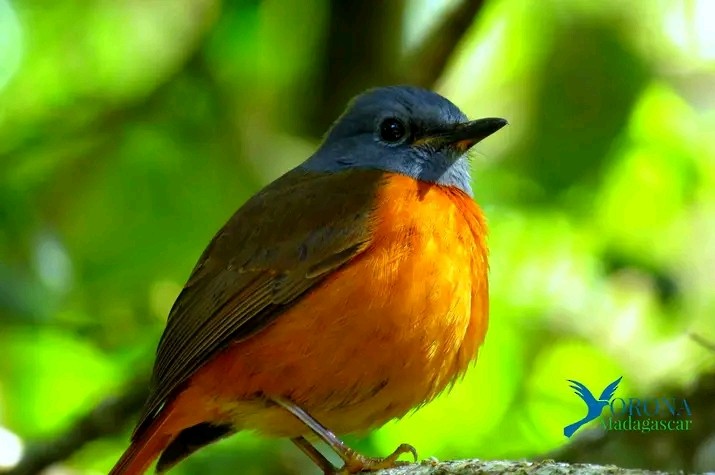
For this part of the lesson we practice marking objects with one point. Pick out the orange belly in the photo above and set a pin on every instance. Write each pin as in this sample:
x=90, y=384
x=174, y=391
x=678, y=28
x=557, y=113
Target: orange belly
x=378, y=337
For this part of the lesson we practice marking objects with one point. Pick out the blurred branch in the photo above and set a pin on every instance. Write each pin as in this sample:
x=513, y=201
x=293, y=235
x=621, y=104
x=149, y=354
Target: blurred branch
x=427, y=63
x=110, y=417
x=704, y=342
x=362, y=50
x=481, y=467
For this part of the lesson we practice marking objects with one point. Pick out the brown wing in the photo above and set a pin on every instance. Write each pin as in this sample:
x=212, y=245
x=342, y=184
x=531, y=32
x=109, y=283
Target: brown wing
x=279, y=244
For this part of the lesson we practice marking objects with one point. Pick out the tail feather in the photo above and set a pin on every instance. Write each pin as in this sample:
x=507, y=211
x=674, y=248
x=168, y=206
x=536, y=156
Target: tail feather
x=146, y=447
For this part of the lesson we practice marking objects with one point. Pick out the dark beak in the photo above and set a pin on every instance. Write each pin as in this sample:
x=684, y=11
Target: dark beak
x=464, y=136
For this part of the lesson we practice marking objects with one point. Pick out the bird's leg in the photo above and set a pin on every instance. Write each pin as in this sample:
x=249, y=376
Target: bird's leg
x=354, y=461
x=314, y=454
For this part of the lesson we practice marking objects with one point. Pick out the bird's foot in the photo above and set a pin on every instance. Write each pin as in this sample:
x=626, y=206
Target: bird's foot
x=356, y=462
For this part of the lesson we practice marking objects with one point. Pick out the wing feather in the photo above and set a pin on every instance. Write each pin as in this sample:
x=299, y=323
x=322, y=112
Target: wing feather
x=276, y=247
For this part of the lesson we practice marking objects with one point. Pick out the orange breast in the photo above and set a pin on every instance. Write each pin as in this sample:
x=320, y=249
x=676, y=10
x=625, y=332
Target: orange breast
x=380, y=336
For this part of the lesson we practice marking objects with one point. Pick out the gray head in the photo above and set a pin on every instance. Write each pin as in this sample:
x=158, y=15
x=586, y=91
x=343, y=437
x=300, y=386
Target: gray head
x=406, y=130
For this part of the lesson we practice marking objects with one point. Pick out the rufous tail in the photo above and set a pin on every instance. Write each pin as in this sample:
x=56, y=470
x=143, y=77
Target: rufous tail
x=145, y=447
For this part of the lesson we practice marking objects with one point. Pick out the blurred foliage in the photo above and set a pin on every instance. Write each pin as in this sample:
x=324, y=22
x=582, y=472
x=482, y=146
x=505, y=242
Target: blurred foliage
x=130, y=131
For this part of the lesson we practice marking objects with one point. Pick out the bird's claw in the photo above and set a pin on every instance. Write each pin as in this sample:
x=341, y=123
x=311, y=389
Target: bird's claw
x=356, y=462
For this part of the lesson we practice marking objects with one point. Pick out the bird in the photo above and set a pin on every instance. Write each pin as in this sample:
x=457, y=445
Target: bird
x=344, y=294
x=595, y=406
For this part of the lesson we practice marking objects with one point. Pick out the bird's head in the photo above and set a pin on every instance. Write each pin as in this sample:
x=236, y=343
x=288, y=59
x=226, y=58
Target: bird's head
x=406, y=130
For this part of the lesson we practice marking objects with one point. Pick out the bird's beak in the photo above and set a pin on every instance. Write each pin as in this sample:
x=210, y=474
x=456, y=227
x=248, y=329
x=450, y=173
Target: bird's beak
x=465, y=135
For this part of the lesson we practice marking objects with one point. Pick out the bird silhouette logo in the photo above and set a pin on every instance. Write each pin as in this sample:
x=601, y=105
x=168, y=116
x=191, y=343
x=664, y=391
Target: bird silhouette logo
x=595, y=406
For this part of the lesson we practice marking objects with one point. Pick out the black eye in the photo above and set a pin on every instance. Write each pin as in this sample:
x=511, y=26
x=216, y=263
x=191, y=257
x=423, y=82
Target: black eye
x=392, y=130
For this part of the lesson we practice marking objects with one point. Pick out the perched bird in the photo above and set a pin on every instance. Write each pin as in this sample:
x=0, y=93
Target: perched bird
x=344, y=294
x=595, y=406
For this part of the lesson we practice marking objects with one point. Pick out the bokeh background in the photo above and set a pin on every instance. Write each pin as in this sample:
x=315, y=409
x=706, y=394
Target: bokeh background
x=130, y=130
